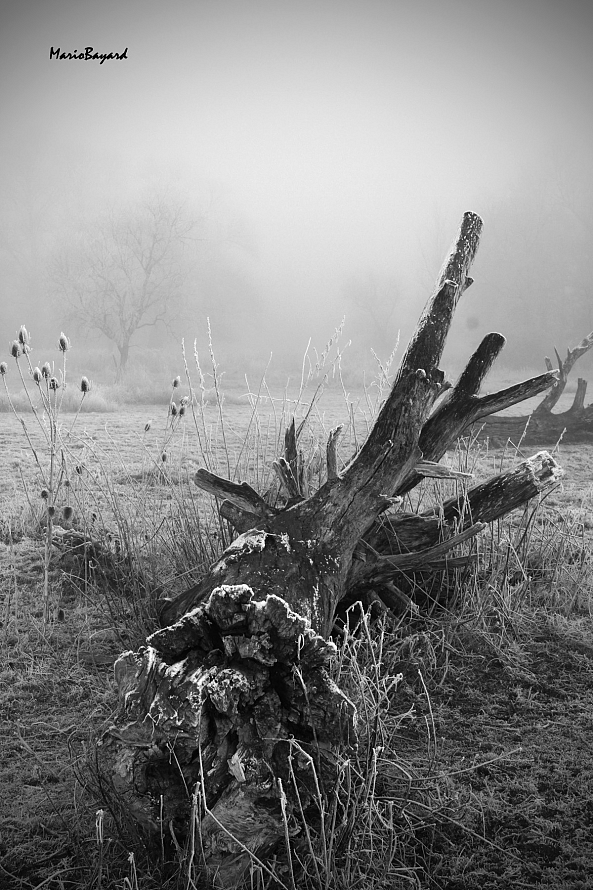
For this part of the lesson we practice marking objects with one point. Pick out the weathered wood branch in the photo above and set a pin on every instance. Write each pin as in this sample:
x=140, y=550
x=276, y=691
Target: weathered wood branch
x=332, y=452
x=283, y=470
x=463, y=407
x=508, y=491
x=412, y=534
x=291, y=454
x=431, y=470
x=512, y=395
x=241, y=494
x=564, y=369
x=424, y=558
x=539, y=429
x=578, y=405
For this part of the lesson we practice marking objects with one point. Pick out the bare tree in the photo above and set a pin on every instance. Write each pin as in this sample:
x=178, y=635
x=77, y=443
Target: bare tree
x=127, y=271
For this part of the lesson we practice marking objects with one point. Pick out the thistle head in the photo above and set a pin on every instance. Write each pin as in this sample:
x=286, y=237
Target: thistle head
x=15, y=349
x=46, y=370
x=85, y=384
x=3, y=368
x=63, y=343
x=37, y=376
x=176, y=382
x=24, y=336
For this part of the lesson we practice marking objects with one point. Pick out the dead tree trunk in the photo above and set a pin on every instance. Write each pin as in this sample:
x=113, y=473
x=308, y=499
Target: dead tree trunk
x=542, y=427
x=228, y=717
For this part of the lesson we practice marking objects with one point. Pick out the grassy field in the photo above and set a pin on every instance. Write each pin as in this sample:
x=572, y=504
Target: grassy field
x=475, y=758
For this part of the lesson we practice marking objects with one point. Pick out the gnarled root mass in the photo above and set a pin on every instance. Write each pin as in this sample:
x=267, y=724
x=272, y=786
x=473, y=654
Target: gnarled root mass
x=229, y=725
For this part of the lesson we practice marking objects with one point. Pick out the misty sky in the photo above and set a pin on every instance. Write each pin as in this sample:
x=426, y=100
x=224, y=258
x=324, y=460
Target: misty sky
x=345, y=133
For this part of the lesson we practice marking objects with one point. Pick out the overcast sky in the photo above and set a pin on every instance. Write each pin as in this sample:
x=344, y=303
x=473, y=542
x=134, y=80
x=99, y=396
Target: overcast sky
x=340, y=130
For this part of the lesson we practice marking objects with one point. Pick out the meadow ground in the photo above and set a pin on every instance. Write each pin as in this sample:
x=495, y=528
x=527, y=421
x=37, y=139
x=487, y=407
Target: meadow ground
x=483, y=760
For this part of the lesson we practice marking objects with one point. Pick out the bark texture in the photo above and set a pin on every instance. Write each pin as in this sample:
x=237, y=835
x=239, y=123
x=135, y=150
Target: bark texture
x=229, y=724
x=228, y=718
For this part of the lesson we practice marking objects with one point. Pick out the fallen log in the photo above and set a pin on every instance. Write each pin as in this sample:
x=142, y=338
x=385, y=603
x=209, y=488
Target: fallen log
x=229, y=724
x=542, y=427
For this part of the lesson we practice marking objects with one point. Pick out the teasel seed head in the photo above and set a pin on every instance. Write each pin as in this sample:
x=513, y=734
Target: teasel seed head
x=44, y=493
x=15, y=349
x=37, y=375
x=85, y=385
x=79, y=469
x=46, y=370
x=164, y=457
x=147, y=426
x=3, y=368
x=173, y=409
x=182, y=410
x=24, y=336
x=54, y=383
x=51, y=510
x=63, y=343
x=185, y=400
x=176, y=382
x=67, y=513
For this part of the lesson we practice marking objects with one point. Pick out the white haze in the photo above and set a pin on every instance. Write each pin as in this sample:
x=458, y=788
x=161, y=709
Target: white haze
x=333, y=140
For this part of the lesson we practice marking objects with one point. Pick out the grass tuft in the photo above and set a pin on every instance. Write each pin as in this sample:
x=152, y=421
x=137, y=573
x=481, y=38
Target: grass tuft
x=474, y=766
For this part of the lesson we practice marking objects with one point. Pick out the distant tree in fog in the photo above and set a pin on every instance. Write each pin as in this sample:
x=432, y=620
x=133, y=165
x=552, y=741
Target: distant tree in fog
x=126, y=272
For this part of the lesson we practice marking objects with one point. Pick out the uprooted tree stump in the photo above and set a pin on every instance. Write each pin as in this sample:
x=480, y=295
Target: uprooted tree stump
x=228, y=718
x=542, y=427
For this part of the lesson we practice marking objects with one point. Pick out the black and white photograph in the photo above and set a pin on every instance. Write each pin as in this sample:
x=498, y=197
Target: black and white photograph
x=296, y=445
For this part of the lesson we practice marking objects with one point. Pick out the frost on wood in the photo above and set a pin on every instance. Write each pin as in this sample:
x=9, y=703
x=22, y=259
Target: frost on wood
x=223, y=713
x=229, y=723
x=417, y=542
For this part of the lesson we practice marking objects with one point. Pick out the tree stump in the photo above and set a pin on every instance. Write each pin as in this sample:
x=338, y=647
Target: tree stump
x=233, y=700
x=229, y=721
